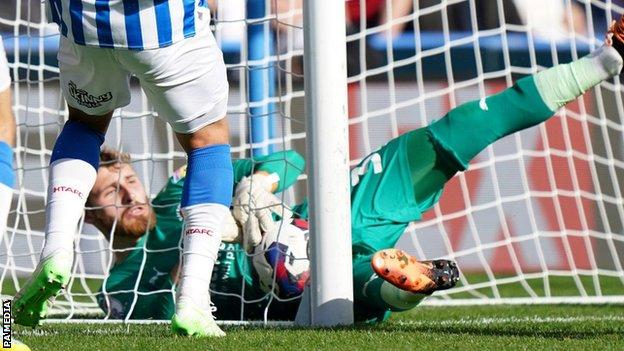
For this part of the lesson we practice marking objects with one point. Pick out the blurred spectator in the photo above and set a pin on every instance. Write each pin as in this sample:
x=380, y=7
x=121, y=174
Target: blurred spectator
x=289, y=15
x=549, y=19
x=376, y=13
x=555, y=19
x=380, y=12
x=603, y=14
x=457, y=16
x=363, y=14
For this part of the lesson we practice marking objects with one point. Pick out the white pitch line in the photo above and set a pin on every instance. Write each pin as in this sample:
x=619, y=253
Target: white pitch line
x=505, y=320
x=268, y=324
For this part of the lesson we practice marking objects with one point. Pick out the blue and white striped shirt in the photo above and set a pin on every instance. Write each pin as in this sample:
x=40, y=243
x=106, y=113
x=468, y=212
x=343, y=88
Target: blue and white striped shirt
x=126, y=24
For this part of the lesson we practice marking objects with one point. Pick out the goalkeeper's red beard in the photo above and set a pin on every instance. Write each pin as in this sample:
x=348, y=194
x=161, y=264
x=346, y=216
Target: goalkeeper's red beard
x=136, y=221
x=132, y=221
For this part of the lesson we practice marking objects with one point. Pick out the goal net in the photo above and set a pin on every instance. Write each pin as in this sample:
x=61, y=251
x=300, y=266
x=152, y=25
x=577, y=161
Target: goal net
x=538, y=217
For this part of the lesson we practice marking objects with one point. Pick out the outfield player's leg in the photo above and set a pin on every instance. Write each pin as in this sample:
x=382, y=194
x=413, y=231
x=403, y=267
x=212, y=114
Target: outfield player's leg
x=73, y=169
x=91, y=98
x=187, y=84
x=7, y=140
x=205, y=202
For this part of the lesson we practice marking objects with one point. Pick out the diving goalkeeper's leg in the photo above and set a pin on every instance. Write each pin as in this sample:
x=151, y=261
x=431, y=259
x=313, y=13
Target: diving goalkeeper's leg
x=437, y=152
x=405, y=272
x=393, y=280
x=468, y=129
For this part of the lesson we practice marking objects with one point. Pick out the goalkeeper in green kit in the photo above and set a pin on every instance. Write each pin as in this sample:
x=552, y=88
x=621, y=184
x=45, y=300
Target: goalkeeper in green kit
x=150, y=233
x=390, y=188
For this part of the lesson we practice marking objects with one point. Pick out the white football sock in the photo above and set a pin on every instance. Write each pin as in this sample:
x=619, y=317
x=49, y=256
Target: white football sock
x=71, y=181
x=400, y=299
x=563, y=83
x=6, y=194
x=202, y=238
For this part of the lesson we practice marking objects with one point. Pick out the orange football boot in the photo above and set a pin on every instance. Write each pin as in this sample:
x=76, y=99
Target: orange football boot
x=406, y=273
x=615, y=35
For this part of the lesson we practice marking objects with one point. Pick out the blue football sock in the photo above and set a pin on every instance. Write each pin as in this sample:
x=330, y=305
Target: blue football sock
x=209, y=177
x=6, y=165
x=78, y=141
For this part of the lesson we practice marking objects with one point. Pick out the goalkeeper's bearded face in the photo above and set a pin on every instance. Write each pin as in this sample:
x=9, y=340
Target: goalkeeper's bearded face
x=118, y=199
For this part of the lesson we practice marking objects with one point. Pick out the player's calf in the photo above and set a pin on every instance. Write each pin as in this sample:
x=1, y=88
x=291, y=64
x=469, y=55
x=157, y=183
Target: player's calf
x=407, y=273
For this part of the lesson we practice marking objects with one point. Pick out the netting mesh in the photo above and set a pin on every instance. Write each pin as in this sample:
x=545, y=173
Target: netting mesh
x=538, y=217
x=31, y=46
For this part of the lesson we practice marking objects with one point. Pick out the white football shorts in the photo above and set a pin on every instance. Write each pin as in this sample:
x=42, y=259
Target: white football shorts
x=185, y=82
x=5, y=78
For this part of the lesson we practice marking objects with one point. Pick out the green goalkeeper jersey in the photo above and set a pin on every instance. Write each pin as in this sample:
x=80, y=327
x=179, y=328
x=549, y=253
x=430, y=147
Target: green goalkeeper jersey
x=383, y=202
x=141, y=283
x=390, y=188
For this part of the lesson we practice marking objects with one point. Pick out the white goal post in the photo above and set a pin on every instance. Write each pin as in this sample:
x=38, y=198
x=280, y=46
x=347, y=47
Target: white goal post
x=331, y=282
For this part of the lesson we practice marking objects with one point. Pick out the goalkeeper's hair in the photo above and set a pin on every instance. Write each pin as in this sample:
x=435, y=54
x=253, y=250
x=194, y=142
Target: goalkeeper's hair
x=110, y=157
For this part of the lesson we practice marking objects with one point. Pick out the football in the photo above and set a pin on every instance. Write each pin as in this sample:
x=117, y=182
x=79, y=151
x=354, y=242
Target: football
x=281, y=260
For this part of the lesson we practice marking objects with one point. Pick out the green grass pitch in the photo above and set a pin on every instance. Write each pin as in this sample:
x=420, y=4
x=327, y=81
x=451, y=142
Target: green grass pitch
x=538, y=327
x=561, y=327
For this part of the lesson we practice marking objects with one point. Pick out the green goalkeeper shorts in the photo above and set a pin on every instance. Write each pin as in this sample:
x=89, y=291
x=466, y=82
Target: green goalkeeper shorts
x=394, y=186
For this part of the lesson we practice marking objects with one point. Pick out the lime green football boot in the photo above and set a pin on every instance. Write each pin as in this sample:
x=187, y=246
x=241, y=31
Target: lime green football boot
x=191, y=320
x=31, y=302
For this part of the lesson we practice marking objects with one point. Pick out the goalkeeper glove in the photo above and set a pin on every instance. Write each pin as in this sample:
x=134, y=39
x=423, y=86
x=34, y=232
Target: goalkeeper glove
x=254, y=205
x=232, y=232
